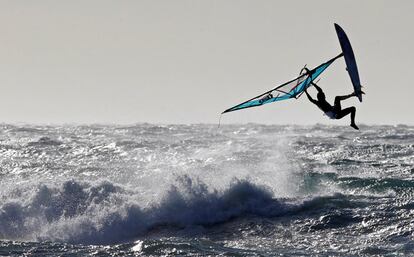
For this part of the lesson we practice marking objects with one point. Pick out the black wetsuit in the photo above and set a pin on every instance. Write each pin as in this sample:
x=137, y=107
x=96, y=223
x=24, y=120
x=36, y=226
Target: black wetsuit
x=335, y=111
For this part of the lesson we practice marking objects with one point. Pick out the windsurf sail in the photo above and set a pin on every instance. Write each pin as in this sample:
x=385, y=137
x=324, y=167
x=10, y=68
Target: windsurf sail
x=291, y=89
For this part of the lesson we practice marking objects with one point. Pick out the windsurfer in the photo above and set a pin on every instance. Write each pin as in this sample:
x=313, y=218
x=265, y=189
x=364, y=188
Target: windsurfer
x=335, y=111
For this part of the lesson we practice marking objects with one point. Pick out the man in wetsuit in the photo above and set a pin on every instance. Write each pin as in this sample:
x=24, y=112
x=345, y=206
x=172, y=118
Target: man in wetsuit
x=334, y=112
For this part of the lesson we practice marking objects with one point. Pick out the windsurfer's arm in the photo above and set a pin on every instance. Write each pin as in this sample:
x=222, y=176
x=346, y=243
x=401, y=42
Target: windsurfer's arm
x=317, y=88
x=310, y=97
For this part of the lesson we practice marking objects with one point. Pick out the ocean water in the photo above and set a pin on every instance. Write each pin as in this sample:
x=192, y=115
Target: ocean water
x=196, y=190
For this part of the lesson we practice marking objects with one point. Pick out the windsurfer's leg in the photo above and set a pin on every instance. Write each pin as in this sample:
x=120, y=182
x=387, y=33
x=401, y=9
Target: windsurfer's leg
x=339, y=98
x=345, y=112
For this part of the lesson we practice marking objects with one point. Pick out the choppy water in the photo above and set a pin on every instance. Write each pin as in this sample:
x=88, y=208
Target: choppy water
x=241, y=190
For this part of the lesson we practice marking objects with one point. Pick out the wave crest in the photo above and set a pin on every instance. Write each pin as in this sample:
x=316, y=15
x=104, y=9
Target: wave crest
x=79, y=212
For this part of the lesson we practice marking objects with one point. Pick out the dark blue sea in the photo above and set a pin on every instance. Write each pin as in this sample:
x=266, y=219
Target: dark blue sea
x=199, y=190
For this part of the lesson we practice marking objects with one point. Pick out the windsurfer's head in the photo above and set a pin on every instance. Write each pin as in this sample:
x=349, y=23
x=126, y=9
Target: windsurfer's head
x=320, y=96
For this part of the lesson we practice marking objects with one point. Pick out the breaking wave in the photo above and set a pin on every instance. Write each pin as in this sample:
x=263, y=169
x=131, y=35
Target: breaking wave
x=79, y=212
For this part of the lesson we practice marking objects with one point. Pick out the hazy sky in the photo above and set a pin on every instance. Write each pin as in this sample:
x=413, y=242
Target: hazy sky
x=186, y=61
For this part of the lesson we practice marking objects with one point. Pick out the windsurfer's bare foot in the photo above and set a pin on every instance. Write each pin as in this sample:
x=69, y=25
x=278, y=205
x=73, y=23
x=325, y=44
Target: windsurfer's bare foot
x=355, y=93
x=354, y=126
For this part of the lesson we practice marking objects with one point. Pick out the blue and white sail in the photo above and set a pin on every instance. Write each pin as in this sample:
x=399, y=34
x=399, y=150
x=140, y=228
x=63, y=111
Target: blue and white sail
x=291, y=89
